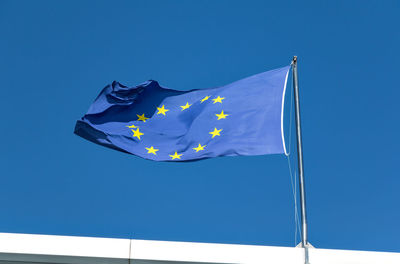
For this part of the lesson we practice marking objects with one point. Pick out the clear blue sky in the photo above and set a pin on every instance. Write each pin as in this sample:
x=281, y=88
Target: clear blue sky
x=55, y=57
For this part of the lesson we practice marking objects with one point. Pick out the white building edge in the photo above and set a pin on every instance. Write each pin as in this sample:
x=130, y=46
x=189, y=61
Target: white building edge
x=27, y=249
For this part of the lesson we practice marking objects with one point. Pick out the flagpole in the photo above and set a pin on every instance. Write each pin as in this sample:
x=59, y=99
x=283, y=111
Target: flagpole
x=304, y=234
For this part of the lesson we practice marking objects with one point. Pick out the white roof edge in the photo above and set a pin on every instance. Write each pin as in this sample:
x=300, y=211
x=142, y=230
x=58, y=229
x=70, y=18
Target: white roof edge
x=28, y=248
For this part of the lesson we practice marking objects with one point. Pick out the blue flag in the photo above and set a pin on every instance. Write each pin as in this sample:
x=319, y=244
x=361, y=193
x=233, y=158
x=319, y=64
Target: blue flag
x=153, y=122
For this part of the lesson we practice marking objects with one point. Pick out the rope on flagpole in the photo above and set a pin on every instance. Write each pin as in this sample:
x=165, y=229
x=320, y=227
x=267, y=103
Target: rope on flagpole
x=293, y=181
x=304, y=228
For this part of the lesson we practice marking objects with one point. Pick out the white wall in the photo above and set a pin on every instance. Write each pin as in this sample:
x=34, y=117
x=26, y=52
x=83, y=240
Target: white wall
x=25, y=248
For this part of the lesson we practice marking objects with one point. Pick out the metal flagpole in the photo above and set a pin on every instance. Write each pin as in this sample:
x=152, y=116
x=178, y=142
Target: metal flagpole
x=304, y=238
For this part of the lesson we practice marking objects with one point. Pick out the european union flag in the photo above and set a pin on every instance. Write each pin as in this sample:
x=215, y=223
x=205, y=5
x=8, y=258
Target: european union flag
x=157, y=123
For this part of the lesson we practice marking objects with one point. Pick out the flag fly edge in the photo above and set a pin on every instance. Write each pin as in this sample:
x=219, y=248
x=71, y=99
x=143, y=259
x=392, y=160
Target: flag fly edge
x=282, y=112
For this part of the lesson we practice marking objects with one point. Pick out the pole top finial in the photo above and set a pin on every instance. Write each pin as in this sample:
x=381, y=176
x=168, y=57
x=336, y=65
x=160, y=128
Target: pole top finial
x=294, y=59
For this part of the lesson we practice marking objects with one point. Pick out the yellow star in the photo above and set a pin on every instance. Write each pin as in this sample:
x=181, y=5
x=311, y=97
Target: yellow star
x=186, y=106
x=137, y=133
x=142, y=118
x=222, y=115
x=218, y=99
x=176, y=156
x=132, y=126
x=152, y=150
x=200, y=147
x=204, y=99
x=215, y=132
x=162, y=110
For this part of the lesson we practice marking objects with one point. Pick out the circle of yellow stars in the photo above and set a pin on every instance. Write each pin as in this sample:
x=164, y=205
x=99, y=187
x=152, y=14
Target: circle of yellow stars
x=162, y=111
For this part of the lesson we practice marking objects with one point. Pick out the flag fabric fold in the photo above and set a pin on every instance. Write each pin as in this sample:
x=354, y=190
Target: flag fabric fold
x=239, y=119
